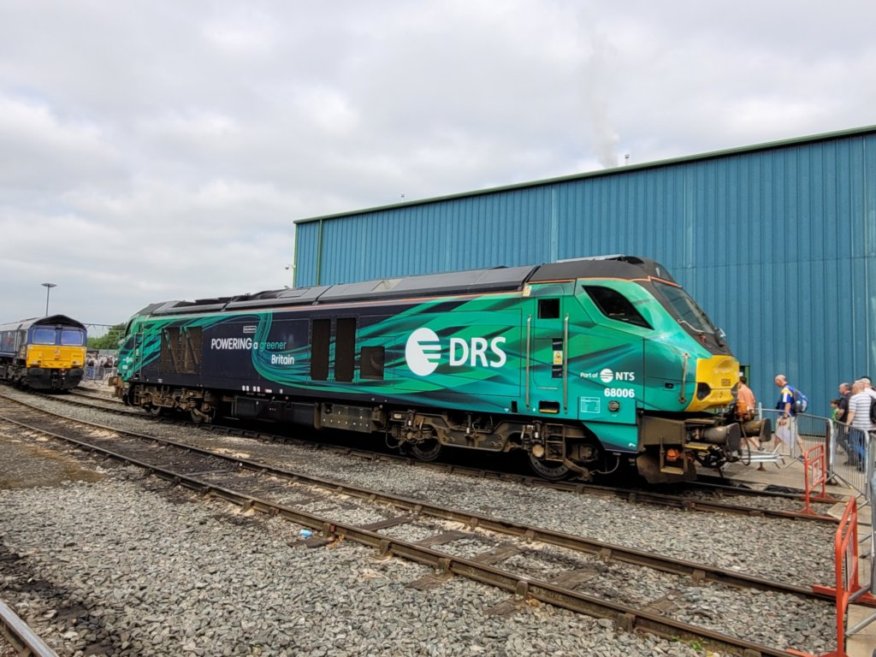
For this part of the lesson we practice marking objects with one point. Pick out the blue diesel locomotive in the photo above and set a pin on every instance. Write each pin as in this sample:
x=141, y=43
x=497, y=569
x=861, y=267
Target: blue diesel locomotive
x=47, y=353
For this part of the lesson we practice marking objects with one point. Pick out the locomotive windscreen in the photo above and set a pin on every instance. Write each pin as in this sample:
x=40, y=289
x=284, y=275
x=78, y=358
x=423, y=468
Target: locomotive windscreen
x=685, y=308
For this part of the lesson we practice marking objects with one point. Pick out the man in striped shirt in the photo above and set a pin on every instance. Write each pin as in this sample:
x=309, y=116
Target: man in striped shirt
x=858, y=418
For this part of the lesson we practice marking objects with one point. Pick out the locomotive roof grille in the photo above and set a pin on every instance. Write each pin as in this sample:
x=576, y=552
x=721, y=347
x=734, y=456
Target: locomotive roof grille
x=497, y=279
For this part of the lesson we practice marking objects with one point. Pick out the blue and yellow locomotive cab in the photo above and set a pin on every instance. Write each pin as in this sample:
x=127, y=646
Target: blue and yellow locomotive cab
x=47, y=353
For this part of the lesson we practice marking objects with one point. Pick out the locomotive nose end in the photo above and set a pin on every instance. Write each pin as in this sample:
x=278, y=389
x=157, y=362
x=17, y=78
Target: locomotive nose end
x=716, y=378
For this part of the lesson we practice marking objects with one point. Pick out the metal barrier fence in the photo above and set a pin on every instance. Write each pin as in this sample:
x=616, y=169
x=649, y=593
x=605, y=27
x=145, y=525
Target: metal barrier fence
x=800, y=434
x=849, y=456
x=852, y=458
x=815, y=478
x=98, y=373
x=847, y=588
x=850, y=453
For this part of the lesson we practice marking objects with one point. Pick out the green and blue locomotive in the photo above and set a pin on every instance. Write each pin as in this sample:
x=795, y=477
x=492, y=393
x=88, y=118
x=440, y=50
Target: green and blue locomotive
x=587, y=365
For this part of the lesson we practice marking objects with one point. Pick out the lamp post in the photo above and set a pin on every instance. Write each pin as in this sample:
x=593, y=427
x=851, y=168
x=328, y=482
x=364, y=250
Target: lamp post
x=48, y=287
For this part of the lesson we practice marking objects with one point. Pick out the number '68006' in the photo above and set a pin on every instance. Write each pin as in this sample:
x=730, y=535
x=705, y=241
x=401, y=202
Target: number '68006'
x=620, y=392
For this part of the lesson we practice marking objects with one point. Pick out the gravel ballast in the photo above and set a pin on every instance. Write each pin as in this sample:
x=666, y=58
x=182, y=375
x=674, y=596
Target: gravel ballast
x=797, y=552
x=128, y=567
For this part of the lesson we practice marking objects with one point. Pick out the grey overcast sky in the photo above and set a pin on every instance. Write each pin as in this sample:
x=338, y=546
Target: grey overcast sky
x=155, y=150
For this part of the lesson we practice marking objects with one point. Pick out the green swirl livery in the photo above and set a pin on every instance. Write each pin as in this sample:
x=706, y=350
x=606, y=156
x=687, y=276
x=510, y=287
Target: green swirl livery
x=586, y=365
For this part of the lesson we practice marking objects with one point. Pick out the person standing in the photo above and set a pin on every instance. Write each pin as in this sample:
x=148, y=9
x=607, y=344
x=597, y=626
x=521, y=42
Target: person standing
x=786, y=424
x=842, y=413
x=845, y=392
x=858, y=420
x=746, y=410
x=746, y=404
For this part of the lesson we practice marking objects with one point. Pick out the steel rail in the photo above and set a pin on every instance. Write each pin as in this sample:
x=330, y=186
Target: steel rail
x=108, y=407
x=715, y=483
x=608, y=551
x=626, y=617
x=85, y=393
x=581, y=488
x=23, y=639
x=577, y=487
x=704, y=482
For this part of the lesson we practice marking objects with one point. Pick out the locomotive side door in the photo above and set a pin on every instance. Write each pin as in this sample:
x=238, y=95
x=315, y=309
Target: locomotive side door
x=137, y=350
x=546, y=339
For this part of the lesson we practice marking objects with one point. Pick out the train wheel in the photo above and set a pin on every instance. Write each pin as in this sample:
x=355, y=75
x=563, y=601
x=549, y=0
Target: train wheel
x=428, y=450
x=548, y=470
x=200, y=417
x=155, y=411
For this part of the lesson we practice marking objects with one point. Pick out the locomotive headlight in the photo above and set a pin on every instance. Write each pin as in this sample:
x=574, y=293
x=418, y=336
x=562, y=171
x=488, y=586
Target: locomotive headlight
x=703, y=390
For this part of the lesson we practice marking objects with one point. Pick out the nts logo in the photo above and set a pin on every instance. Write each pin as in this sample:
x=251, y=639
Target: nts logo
x=606, y=376
x=423, y=352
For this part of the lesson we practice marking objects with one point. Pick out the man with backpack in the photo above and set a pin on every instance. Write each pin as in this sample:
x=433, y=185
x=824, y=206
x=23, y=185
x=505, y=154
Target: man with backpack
x=860, y=420
x=786, y=424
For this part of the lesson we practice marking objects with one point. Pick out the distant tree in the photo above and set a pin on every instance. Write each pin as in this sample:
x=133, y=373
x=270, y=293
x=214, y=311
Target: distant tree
x=110, y=340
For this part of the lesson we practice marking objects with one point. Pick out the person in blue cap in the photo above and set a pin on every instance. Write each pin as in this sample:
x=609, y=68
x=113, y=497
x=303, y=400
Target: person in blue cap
x=786, y=424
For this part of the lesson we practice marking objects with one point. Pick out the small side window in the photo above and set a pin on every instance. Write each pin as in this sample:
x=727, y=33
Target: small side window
x=615, y=305
x=371, y=362
x=548, y=308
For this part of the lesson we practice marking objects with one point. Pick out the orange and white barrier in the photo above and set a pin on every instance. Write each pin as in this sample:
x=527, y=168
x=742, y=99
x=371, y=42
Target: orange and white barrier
x=847, y=587
x=815, y=477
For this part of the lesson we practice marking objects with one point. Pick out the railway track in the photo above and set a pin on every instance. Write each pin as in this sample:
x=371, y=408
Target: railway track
x=709, y=497
x=529, y=561
x=20, y=636
x=96, y=401
x=91, y=393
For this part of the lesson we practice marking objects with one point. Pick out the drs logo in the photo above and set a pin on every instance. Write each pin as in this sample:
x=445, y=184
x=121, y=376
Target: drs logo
x=423, y=352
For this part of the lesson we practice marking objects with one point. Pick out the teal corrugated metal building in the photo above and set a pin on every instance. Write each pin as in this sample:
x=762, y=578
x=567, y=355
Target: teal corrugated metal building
x=776, y=241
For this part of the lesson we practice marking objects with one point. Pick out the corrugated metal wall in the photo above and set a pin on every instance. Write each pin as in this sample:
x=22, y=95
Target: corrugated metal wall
x=777, y=243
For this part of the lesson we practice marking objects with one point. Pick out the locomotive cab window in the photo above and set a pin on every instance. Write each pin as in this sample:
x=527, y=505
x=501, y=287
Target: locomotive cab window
x=72, y=337
x=43, y=335
x=686, y=309
x=615, y=305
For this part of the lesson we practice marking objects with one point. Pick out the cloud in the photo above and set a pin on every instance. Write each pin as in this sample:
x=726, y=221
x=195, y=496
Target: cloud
x=162, y=150
x=44, y=150
x=242, y=31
